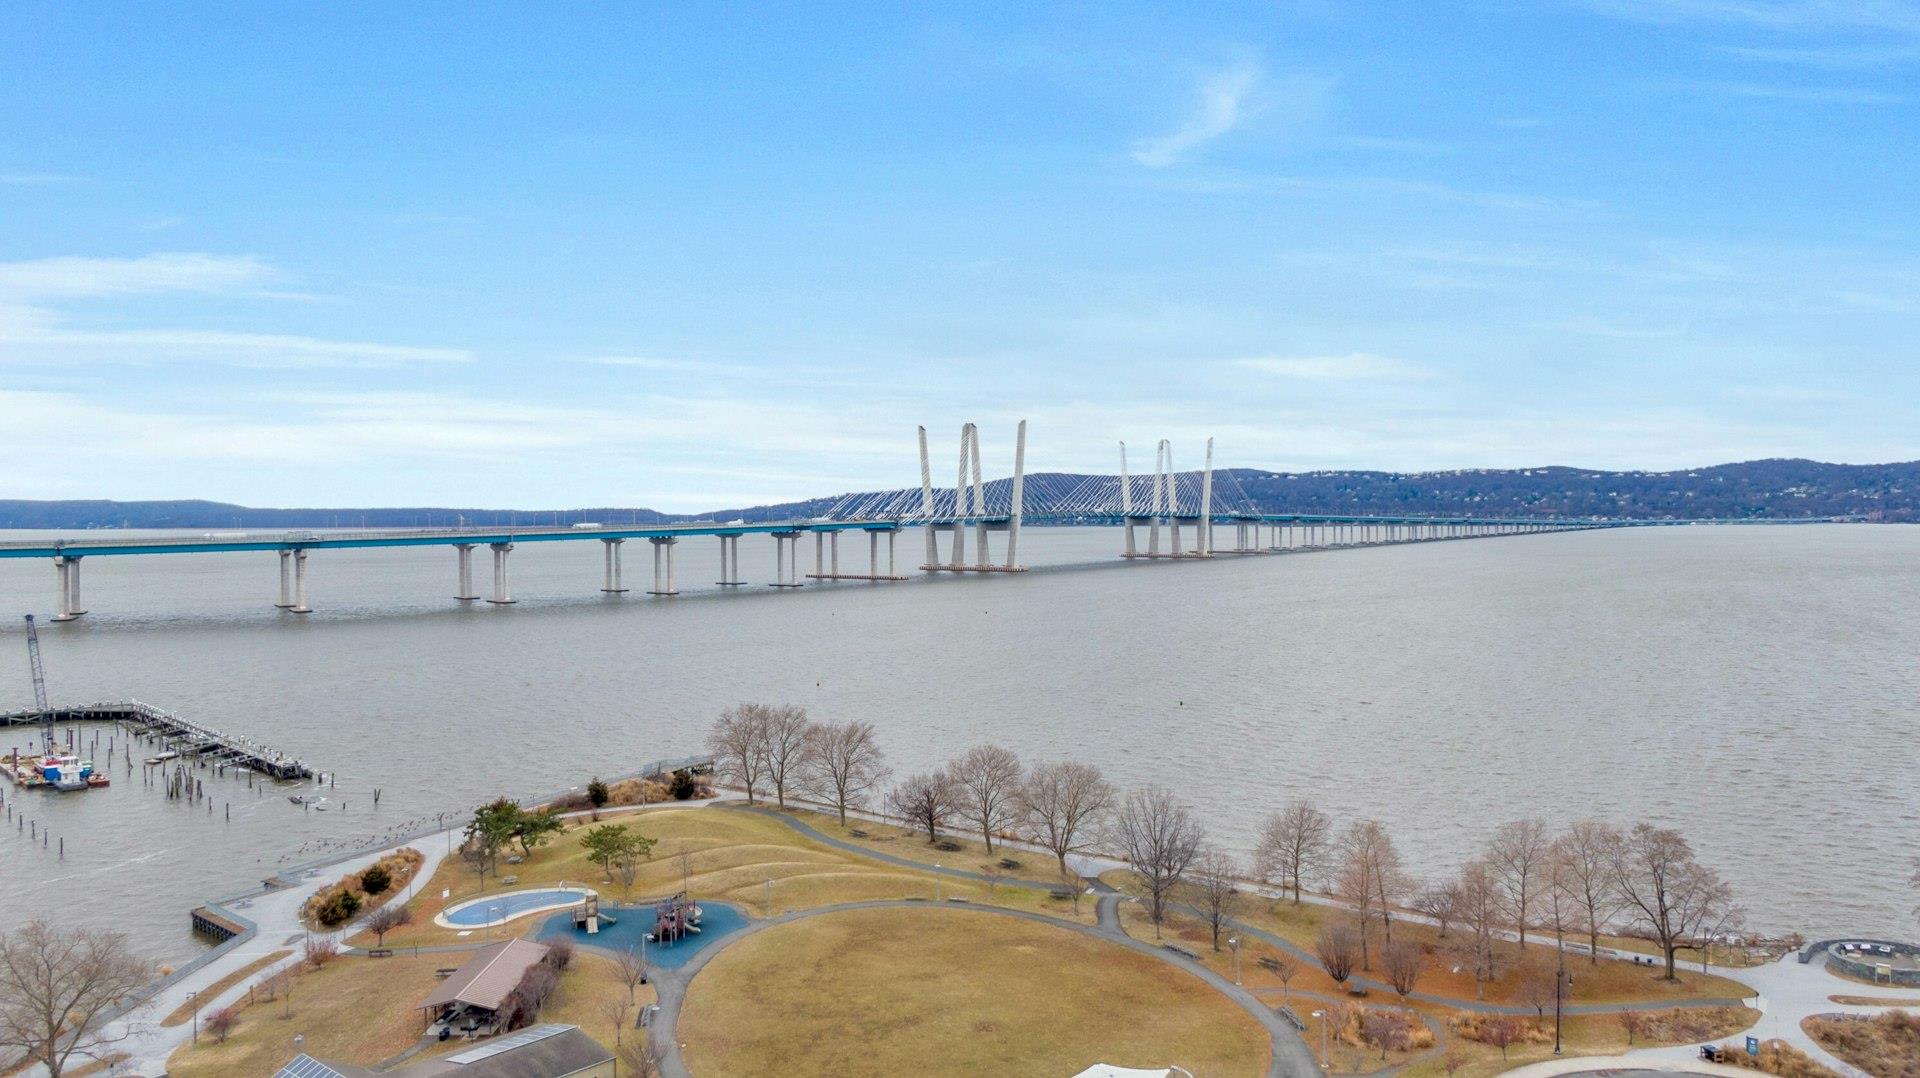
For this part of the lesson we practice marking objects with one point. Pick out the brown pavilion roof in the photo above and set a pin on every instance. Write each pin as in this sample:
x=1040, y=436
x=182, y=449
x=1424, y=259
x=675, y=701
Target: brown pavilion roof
x=489, y=977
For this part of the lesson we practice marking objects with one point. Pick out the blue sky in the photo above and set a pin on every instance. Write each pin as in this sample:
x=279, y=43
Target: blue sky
x=505, y=255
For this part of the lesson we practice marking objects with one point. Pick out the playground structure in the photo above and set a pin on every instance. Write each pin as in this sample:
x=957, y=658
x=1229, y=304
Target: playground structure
x=674, y=919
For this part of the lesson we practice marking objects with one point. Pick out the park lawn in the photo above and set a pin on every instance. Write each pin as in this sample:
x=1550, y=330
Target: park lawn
x=948, y=991
x=581, y=997
x=1581, y=1035
x=729, y=856
x=184, y=1013
x=1606, y=982
x=1037, y=866
x=352, y=1010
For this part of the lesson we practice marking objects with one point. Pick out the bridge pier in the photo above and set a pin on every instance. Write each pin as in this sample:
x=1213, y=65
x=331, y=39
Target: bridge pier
x=502, y=581
x=299, y=583
x=611, y=584
x=786, y=555
x=465, y=577
x=286, y=579
x=730, y=562
x=663, y=558
x=66, y=574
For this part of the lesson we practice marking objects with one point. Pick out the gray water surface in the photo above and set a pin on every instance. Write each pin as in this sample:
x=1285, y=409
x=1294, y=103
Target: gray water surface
x=1752, y=686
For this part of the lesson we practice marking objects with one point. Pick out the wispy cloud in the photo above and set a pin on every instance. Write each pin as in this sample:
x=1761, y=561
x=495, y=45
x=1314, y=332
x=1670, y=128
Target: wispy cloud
x=1223, y=106
x=1825, y=15
x=652, y=363
x=1353, y=367
x=70, y=277
x=1831, y=57
x=33, y=179
x=36, y=340
x=1399, y=145
x=1814, y=95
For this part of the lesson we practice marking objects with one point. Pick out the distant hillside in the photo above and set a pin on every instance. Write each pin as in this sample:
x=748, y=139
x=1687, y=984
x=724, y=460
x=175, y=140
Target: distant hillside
x=1780, y=489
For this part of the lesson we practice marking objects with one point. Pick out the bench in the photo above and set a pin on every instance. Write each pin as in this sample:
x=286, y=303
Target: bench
x=380, y=952
x=1060, y=893
x=856, y=832
x=1181, y=951
x=947, y=844
x=1293, y=1019
x=1008, y=862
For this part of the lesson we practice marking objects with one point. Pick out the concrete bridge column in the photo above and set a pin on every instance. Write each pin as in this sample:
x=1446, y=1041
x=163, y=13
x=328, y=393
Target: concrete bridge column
x=286, y=579
x=464, y=581
x=819, y=553
x=730, y=561
x=612, y=585
x=300, y=582
x=833, y=552
x=502, y=579
x=873, y=555
x=75, y=607
x=663, y=565
x=786, y=559
x=892, y=535
x=1174, y=548
x=63, y=583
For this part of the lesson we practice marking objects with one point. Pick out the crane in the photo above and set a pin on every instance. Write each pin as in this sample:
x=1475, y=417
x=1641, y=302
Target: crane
x=39, y=685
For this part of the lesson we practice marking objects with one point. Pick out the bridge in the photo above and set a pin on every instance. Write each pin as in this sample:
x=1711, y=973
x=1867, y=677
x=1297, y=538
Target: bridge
x=1164, y=515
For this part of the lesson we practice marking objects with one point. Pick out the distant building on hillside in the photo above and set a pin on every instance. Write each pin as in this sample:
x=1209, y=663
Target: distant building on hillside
x=550, y=1051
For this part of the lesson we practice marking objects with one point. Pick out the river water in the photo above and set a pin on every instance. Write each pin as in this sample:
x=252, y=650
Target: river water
x=1753, y=686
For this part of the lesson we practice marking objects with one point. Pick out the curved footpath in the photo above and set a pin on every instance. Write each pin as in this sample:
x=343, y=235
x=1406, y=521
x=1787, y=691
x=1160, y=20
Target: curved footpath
x=1291, y=1056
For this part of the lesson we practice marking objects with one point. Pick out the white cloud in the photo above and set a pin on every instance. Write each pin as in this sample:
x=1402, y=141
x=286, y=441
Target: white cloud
x=71, y=277
x=1223, y=100
x=1835, y=58
x=33, y=179
x=1809, y=15
x=1353, y=367
x=39, y=341
x=1815, y=95
x=652, y=363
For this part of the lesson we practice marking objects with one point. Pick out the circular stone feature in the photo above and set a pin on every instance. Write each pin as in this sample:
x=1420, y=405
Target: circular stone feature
x=953, y=991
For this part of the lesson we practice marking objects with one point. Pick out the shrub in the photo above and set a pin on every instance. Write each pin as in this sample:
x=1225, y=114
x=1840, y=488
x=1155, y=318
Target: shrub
x=321, y=950
x=683, y=787
x=559, y=954
x=376, y=879
x=338, y=908
x=597, y=793
x=1887, y=1043
x=220, y=1023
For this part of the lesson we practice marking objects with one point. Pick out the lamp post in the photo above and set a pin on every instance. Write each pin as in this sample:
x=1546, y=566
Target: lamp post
x=769, y=896
x=299, y=1041
x=1233, y=944
x=1324, y=1063
x=939, y=889
x=196, y=1017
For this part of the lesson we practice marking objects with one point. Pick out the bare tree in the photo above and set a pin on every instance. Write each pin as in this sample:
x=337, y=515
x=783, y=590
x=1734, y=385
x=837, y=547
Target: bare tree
x=1719, y=920
x=1504, y=1030
x=385, y=919
x=1338, y=947
x=925, y=801
x=1517, y=853
x=1668, y=892
x=615, y=1011
x=845, y=764
x=1537, y=988
x=786, y=746
x=993, y=873
x=738, y=742
x=1370, y=877
x=1439, y=903
x=1283, y=966
x=1479, y=910
x=220, y=1023
x=1064, y=805
x=1215, y=890
x=1384, y=1030
x=1292, y=844
x=1632, y=1023
x=989, y=779
x=57, y=989
x=632, y=968
x=638, y=1060
x=1584, y=857
x=1400, y=961
x=1159, y=836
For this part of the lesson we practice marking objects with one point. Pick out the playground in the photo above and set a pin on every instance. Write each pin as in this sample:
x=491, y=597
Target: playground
x=667, y=933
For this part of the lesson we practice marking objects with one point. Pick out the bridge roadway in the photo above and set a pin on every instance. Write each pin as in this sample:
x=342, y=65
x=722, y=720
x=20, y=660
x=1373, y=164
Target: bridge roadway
x=1287, y=531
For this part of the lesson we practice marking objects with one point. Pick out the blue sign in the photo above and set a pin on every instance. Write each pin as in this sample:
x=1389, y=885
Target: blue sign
x=1753, y=1046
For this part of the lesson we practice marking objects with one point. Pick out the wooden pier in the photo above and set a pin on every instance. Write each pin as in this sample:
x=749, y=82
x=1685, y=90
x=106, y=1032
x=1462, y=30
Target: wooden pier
x=178, y=735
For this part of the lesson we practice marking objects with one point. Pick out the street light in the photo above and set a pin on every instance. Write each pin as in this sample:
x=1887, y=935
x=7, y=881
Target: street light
x=769, y=896
x=1324, y=1064
x=939, y=891
x=196, y=1018
x=1233, y=943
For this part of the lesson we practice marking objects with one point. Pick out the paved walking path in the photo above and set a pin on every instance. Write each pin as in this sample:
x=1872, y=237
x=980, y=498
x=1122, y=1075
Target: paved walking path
x=1291, y=1056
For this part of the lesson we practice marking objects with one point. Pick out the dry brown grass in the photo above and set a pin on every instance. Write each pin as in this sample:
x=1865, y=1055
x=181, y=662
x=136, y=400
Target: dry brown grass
x=1885, y=1045
x=357, y=1011
x=1776, y=1057
x=1442, y=974
x=900, y=991
x=212, y=992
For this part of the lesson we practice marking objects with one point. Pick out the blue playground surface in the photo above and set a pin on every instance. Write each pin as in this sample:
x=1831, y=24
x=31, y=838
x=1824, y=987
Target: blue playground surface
x=717, y=920
x=497, y=908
